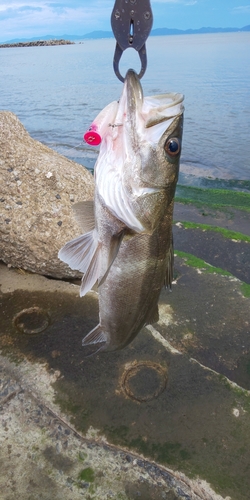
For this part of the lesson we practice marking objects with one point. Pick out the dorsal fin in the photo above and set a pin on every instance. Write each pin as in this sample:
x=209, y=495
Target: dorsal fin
x=84, y=213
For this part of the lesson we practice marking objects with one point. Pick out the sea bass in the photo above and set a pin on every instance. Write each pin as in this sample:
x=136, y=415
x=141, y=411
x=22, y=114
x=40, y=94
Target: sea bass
x=127, y=245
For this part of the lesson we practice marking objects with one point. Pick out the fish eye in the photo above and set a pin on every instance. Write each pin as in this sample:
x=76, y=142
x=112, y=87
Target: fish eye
x=172, y=146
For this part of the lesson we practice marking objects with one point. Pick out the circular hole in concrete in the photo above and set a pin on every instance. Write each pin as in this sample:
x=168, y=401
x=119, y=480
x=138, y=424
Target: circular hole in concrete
x=144, y=381
x=31, y=321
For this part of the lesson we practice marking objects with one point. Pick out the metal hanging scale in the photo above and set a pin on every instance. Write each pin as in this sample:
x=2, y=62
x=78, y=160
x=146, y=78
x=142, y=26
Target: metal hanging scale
x=131, y=22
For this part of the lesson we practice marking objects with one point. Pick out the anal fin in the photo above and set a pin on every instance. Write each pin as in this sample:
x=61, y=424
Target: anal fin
x=96, y=336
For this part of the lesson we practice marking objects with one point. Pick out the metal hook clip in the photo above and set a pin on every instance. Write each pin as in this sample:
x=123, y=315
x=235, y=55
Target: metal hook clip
x=118, y=53
x=131, y=22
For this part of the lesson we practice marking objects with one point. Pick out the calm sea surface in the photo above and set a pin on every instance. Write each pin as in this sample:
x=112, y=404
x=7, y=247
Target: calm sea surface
x=57, y=92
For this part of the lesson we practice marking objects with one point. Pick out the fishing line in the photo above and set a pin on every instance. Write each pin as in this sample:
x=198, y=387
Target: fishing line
x=77, y=146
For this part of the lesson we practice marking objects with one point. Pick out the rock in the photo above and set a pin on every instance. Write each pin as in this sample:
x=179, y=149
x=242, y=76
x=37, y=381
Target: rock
x=38, y=188
x=37, y=43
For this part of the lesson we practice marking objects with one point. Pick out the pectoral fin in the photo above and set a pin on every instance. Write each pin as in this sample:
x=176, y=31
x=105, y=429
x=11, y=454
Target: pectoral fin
x=84, y=254
x=85, y=215
x=170, y=267
x=92, y=273
x=115, y=244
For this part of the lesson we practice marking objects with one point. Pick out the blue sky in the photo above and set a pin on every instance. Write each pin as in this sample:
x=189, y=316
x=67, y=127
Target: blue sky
x=30, y=18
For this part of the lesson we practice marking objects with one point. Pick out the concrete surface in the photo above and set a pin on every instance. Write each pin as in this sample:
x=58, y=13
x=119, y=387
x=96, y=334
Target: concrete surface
x=166, y=418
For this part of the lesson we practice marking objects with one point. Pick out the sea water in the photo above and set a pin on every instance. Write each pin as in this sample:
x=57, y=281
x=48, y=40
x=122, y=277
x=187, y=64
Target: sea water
x=57, y=92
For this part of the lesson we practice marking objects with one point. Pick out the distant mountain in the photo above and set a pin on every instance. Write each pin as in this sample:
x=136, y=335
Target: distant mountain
x=92, y=35
x=98, y=34
x=34, y=39
x=109, y=34
x=168, y=31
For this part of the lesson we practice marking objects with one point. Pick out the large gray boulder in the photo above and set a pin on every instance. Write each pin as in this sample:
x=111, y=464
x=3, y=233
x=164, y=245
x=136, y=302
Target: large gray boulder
x=37, y=189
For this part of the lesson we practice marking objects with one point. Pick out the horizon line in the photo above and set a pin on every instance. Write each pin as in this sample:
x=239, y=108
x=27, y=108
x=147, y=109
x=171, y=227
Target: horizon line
x=109, y=34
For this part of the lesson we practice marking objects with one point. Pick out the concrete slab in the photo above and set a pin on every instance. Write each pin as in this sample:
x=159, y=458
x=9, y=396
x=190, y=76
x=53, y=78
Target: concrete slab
x=160, y=419
x=229, y=218
x=43, y=457
x=229, y=254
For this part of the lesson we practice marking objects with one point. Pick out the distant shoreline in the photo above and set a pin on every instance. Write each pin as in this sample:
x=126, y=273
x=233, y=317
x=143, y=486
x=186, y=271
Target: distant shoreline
x=37, y=43
x=95, y=35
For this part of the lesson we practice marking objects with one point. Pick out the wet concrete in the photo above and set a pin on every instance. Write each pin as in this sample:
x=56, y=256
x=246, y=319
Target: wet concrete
x=145, y=398
x=42, y=457
x=231, y=255
x=229, y=218
x=210, y=321
x=160, y=419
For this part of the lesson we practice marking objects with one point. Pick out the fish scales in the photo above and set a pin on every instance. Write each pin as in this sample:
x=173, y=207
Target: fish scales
x=129, y=296
x=127, y=245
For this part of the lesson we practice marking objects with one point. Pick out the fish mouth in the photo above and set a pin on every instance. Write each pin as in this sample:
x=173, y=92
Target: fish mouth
x=143, y=113
x=134, y=94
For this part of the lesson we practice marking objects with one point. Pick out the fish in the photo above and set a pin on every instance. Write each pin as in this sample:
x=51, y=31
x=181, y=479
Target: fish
x=127, y=242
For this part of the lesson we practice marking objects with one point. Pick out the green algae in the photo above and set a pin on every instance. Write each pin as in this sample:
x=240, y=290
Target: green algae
x=245, y=290
x=193, y=261
x=118, y=433
x=216, y=198
x=210, y=182
x=239, y=392
x=232, y=235
x=87, y=475
x=171, y=453
x=67, y=406
x=175, y=455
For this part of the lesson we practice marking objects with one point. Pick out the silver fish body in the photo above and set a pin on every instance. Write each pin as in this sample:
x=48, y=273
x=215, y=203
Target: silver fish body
x=129, y=295
x=128, y=244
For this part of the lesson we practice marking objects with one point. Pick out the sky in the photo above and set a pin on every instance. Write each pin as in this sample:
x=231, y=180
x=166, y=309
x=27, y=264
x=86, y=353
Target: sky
x=37, y=18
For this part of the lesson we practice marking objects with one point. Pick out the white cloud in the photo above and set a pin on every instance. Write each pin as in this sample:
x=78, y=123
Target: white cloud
x=242, y=9
x=32, y=18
